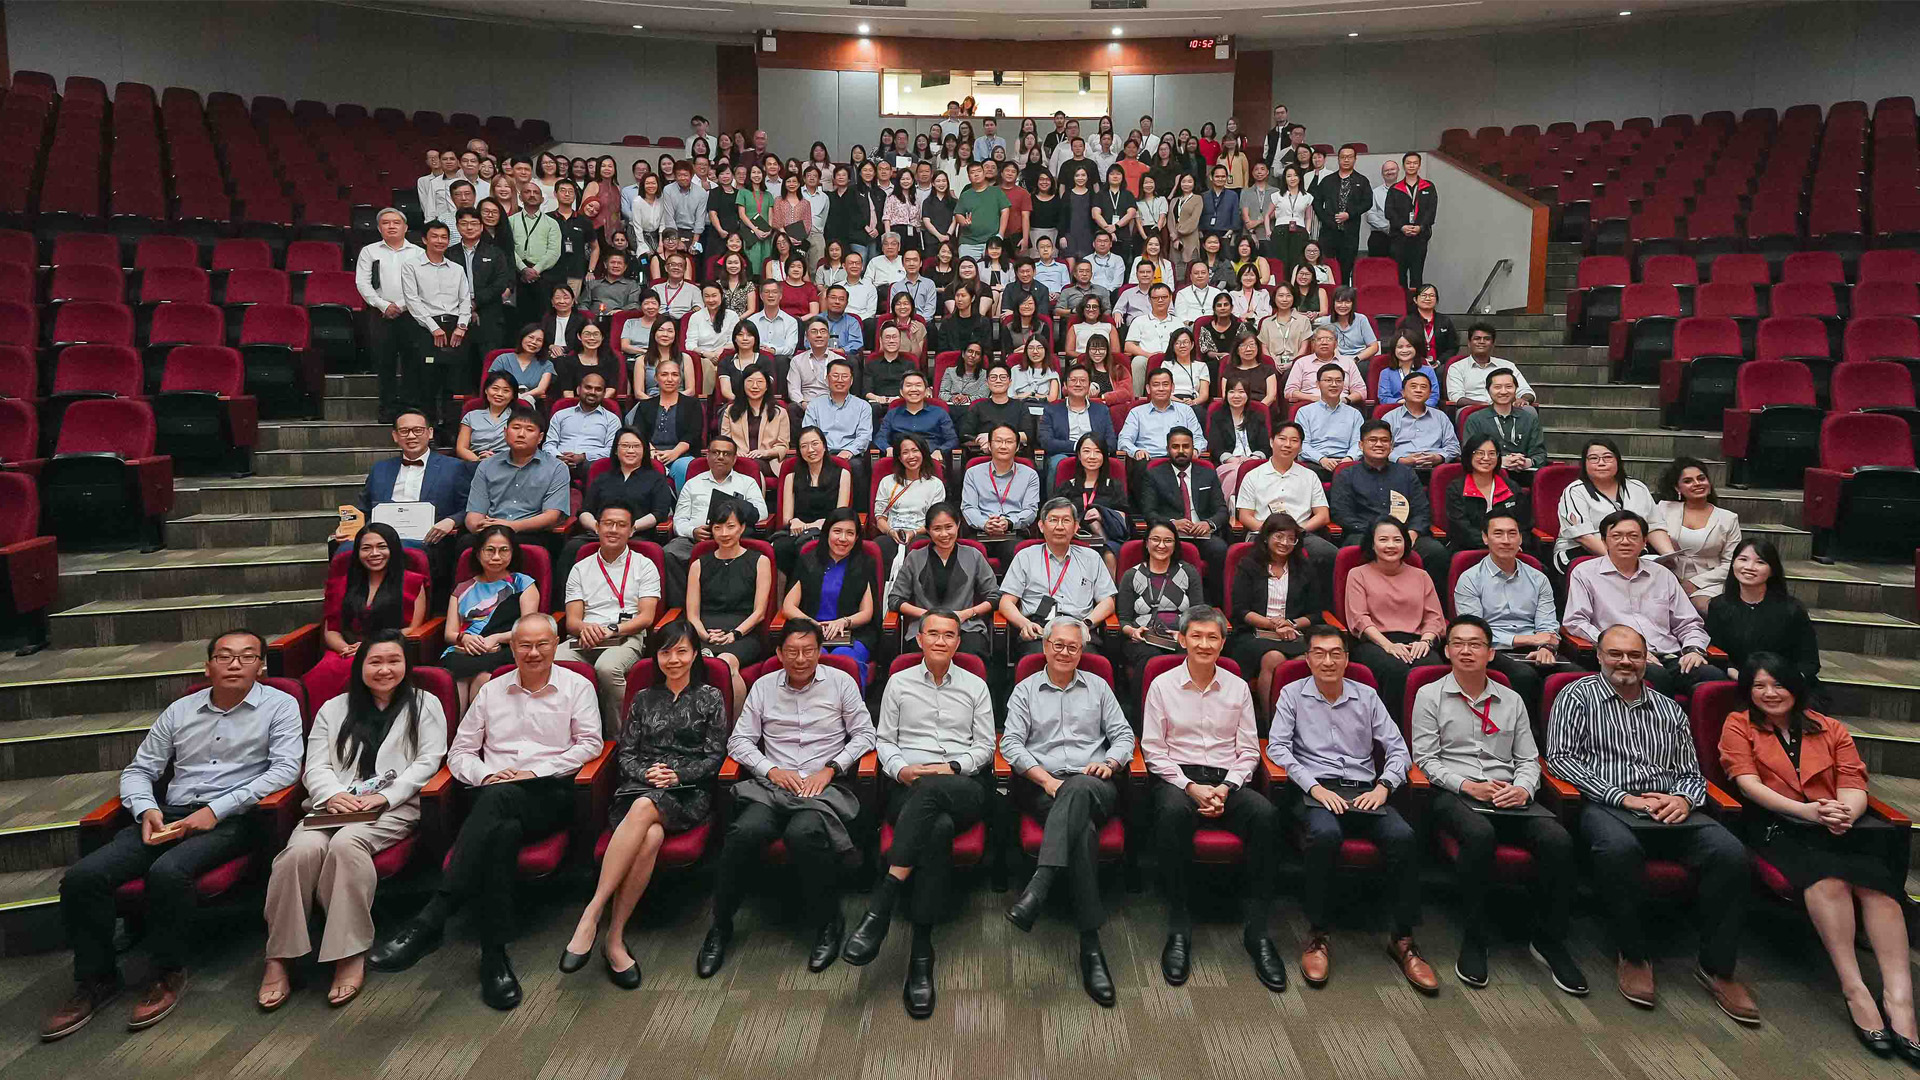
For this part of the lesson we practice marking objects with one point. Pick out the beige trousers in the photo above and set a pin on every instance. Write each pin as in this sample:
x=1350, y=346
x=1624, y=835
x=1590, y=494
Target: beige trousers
x=334, y=867
x=610, y=666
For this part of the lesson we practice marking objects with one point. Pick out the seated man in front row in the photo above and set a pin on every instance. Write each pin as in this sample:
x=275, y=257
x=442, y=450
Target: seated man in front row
x=1623, y=589
x=1327, y=733
x=1472, y=737
x=1629, y=750
x=607, y=623
x=1065, y=740
x=801, y=732
x=1058, y=577
x=526, y=489
x=229, y=746
x=517, y=748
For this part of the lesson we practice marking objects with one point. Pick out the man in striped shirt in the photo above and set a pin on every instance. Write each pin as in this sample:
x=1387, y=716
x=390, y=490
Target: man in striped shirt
x=1629, y=750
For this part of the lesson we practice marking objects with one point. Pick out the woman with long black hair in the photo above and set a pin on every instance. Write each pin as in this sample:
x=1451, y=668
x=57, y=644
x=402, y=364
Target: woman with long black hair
x=370, y=750
x=377, y=594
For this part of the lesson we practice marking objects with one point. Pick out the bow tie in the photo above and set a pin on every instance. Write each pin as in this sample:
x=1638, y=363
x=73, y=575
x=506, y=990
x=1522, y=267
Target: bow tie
x=405, y=464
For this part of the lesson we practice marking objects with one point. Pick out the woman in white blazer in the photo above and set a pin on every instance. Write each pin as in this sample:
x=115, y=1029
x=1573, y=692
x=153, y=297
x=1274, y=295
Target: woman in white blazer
x=370, y=749
x=1704, y=535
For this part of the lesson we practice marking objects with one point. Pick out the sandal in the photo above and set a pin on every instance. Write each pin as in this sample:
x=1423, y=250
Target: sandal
x=271, y=998
x=336, y=998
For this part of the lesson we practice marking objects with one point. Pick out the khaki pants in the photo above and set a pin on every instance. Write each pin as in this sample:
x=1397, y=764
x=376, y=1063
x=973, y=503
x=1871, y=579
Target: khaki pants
x=610, y=666
x=334, y=867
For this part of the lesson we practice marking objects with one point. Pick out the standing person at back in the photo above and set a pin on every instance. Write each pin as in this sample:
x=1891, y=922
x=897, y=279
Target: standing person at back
x=1339, y=203
x=376, y=274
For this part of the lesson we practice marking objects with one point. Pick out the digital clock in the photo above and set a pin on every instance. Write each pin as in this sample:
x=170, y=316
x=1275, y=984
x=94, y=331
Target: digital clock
x=1201, y=43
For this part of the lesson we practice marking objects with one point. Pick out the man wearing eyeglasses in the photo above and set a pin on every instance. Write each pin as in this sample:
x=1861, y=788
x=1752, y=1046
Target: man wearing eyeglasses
x=229, y=746
x=419, y=475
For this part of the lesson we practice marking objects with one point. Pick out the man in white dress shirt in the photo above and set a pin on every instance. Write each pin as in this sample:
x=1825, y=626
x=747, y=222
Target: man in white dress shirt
x=436, y=292
x=611, y=597
x=376, y=274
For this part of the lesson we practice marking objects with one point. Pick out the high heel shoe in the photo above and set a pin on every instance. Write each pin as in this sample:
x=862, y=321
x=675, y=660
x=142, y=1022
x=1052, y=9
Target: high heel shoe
x=1906, y=1049
x=1880, y=1041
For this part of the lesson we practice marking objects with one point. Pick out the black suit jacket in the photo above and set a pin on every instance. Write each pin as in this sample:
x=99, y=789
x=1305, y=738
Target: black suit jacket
x=689, y=420
x=1220, y=440
x=1359, y=201
x=492, y=276
x=1161, y=499
x=1306, y=592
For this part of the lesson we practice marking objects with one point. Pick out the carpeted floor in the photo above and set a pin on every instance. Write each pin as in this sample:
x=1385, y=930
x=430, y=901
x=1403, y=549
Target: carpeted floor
x=1010, y=1006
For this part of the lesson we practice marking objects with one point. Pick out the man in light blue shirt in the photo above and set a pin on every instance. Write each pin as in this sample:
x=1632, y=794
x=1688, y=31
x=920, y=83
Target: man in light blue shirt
x=842, y=325
x=1109, y=270
x=1332, y=426
x=845, y=420
x=1144, y=435
x=1422, y=437
x=584, y=434
x=1000, y=497
x=926, y=295
x=779, y=331
x=983, y=146
x=1517, y=603
x=1049, y=271
x=230, y=746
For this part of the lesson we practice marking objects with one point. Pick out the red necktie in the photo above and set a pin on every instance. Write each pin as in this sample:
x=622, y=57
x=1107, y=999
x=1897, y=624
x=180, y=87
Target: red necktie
x=1186, y=496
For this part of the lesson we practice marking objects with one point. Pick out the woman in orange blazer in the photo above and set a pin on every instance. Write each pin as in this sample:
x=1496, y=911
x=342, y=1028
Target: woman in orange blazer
x=1802, y=771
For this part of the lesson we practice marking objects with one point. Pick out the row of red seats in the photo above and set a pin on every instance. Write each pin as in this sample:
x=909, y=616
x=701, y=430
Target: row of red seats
x=1602, y=281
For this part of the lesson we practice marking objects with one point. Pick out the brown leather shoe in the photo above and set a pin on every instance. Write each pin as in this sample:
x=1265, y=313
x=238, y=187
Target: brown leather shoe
x=1636, y=982
x=161, y=995
x=1413, y=965
x=1316, y=960
x=78, y=1009
x=1731, y=996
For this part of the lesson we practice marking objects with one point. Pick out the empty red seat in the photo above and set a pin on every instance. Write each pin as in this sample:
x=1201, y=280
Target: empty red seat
x=242, y=254
x=19, y=373
x=18, y=324
x=104, y=482
x=1749, y=269
x=19, y=284
x=74, y=248
x=1885, y=298
x=1803, y=298
x=183, y=323
x=1669, y=270
x=87, y=281
x=306, y=256
x=1865, y=491
x=18, y=247
x=1792, y=337
x=1774, y=420
x=281, y=368
x=174, y=284
x=1385, y=305
x=1726, y=300
x=157, y=250
x=249, y=286
x=1697, y=381
x=93, y=322
x=1643, y=335
x=1890, y=264
x=29, y=562
x=1857, y=385
x=1882, y=337
x=1821, y=266
x=1595, y=299
x=202, y=412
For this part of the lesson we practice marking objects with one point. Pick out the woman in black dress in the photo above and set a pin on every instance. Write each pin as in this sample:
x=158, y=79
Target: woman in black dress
x=1276, y=595
x=632, y=480
x=724, y=589
x=671, y=745
x=1479, y=492
x=1756, y=614
x=592, y=355
x=1808, y=817
x=1096, y=495
x=816, y=487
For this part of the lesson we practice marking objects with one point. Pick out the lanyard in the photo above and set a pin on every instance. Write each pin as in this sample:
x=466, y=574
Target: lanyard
x=994, y=482
x=1485, y=713
x=674, y=295
x=626, y=567
x=1062, y=575
x=900, y=488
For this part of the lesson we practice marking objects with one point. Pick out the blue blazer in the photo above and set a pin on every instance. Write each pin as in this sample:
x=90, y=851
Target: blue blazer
x=445, y=486
x=1055, y=435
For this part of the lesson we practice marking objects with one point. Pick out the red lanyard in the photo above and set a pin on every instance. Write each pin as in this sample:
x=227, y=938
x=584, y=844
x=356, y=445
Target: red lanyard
x=670, y=297
x=899, y=489
x=1432, y=329
x=1062, y=575
x=626, y=567
x=1485, y=713
x=994, y=482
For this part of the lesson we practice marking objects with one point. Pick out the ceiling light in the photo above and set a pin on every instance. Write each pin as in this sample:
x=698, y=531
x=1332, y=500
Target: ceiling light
x=1626, y=13
x=864, y=28
x=1118, y=30
x=1353, y=33
x=637, y=26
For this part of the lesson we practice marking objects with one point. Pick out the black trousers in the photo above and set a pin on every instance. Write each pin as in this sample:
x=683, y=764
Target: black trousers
x=1667, y=677
x=428, y=374
x=926, y=815
x=1528, y=678
x=1620, y=853
x=86, y=892
x=386, y=340
x=1071, y=840
x=500, y=819
x=809, y=848
x=1343, y=244
x=1390, y=671
x=1399, y=856
x=1248, y=815
x=1379, y=242
x=1411, y=253
x=1480, y=833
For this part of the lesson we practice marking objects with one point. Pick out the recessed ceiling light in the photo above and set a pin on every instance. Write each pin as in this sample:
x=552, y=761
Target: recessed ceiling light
x=1118, y=30
x=637, y=26
x=1353, y=33
x=864, y=28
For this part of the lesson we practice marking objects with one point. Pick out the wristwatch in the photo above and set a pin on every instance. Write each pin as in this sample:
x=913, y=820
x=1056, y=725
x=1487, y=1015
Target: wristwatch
x=957, y=770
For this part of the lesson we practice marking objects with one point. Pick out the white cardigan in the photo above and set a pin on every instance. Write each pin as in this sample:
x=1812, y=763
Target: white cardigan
x=327, y=774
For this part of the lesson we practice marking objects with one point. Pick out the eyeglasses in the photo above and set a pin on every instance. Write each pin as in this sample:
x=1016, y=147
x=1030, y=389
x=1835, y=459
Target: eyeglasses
x=411, y=430
x=229, y=658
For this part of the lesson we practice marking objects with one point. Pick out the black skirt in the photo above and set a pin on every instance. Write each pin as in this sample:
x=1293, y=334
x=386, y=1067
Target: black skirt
x=1806, y=854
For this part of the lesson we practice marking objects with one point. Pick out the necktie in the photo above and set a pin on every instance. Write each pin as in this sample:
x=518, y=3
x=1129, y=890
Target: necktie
x=1186, y=495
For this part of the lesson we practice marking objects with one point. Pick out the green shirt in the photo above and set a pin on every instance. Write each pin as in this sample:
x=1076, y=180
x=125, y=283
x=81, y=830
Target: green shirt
x=985, y=206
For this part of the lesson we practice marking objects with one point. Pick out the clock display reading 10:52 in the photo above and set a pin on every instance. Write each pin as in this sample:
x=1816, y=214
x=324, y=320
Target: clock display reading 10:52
x=1201, y=43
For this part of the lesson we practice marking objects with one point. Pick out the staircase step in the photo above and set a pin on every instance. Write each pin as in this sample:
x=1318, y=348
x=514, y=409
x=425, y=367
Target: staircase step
x=1511, y=323
x=1853, y=586
x=330, y=462
x=1611, y=395
x=1793, y=542
x=30, y=911
x=184, y=618
x=1524, y=355
x=1616, y=415
x=353, y=385
x=67, y=682
x=263, y=495
x=69, y=744
x=1757, y=506
x=325, y=435
x=131, y=575
x=351, y=409
x=1873, y=633
x=1903, y=794
x=1663, y=446
x=40, y=817
x=1561, y=374
x=1887, y=687
x=1888, y=747
x=243, y=530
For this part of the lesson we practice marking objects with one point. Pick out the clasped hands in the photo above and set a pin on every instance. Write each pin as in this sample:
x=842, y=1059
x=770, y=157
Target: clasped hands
x=804, y=786
x=348, y=803
x=1662, y=807
x=153, y=821
x=1498, y=792
x=1373, y=799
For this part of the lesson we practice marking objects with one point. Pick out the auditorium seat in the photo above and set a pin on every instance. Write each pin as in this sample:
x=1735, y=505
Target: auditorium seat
x=1697, y=381
x=1882, y=337
x=1748, y=269
x=75, y=248
x=334, y=305
x=1802, y=338
x=180, y=323
x=1643, y=334
x=29, y=565
x=1883, y=264
x=85, y=372
x=104, y=483
x=1865, y=492
x=1895, y=298
x=202, y=413
x=282, y=371
x=1774, y=422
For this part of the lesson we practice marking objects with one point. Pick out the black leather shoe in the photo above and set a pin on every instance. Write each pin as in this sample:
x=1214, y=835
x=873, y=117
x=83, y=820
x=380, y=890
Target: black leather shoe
x=406, y=948
x=1878, y=1041
x=1471, y=967
x=918, y=993
x=1095, y=978
x=1268, y=967
x=625, y=980
x=713, y=952
x=1026, y=910
x=498, y=987
x=864, y=943
x=571, y=962
x=1907, y=1050
x=1176, y=959
x=826, y=948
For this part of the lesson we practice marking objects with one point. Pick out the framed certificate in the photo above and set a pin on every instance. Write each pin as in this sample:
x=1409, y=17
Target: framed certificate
x=410, y=519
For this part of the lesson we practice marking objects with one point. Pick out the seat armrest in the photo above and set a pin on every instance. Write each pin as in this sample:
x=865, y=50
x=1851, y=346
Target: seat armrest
x=1888, y=814
x=439, y=787
x=869, y=766
x=593, y=771
x=1579, y=645
x=1417, y=780
x=731, y=771
x=1137, y=768
x=99, y=824
x=295, y=653
x=1723, y=804
x=1276, y=773
x=282, y=809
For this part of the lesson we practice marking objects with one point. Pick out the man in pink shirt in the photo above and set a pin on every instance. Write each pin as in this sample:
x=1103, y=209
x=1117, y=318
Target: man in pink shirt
x=520, y=744
x=1199, y=741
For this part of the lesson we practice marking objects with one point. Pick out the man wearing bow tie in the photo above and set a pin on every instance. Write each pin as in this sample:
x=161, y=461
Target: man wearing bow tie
x=420, y=475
